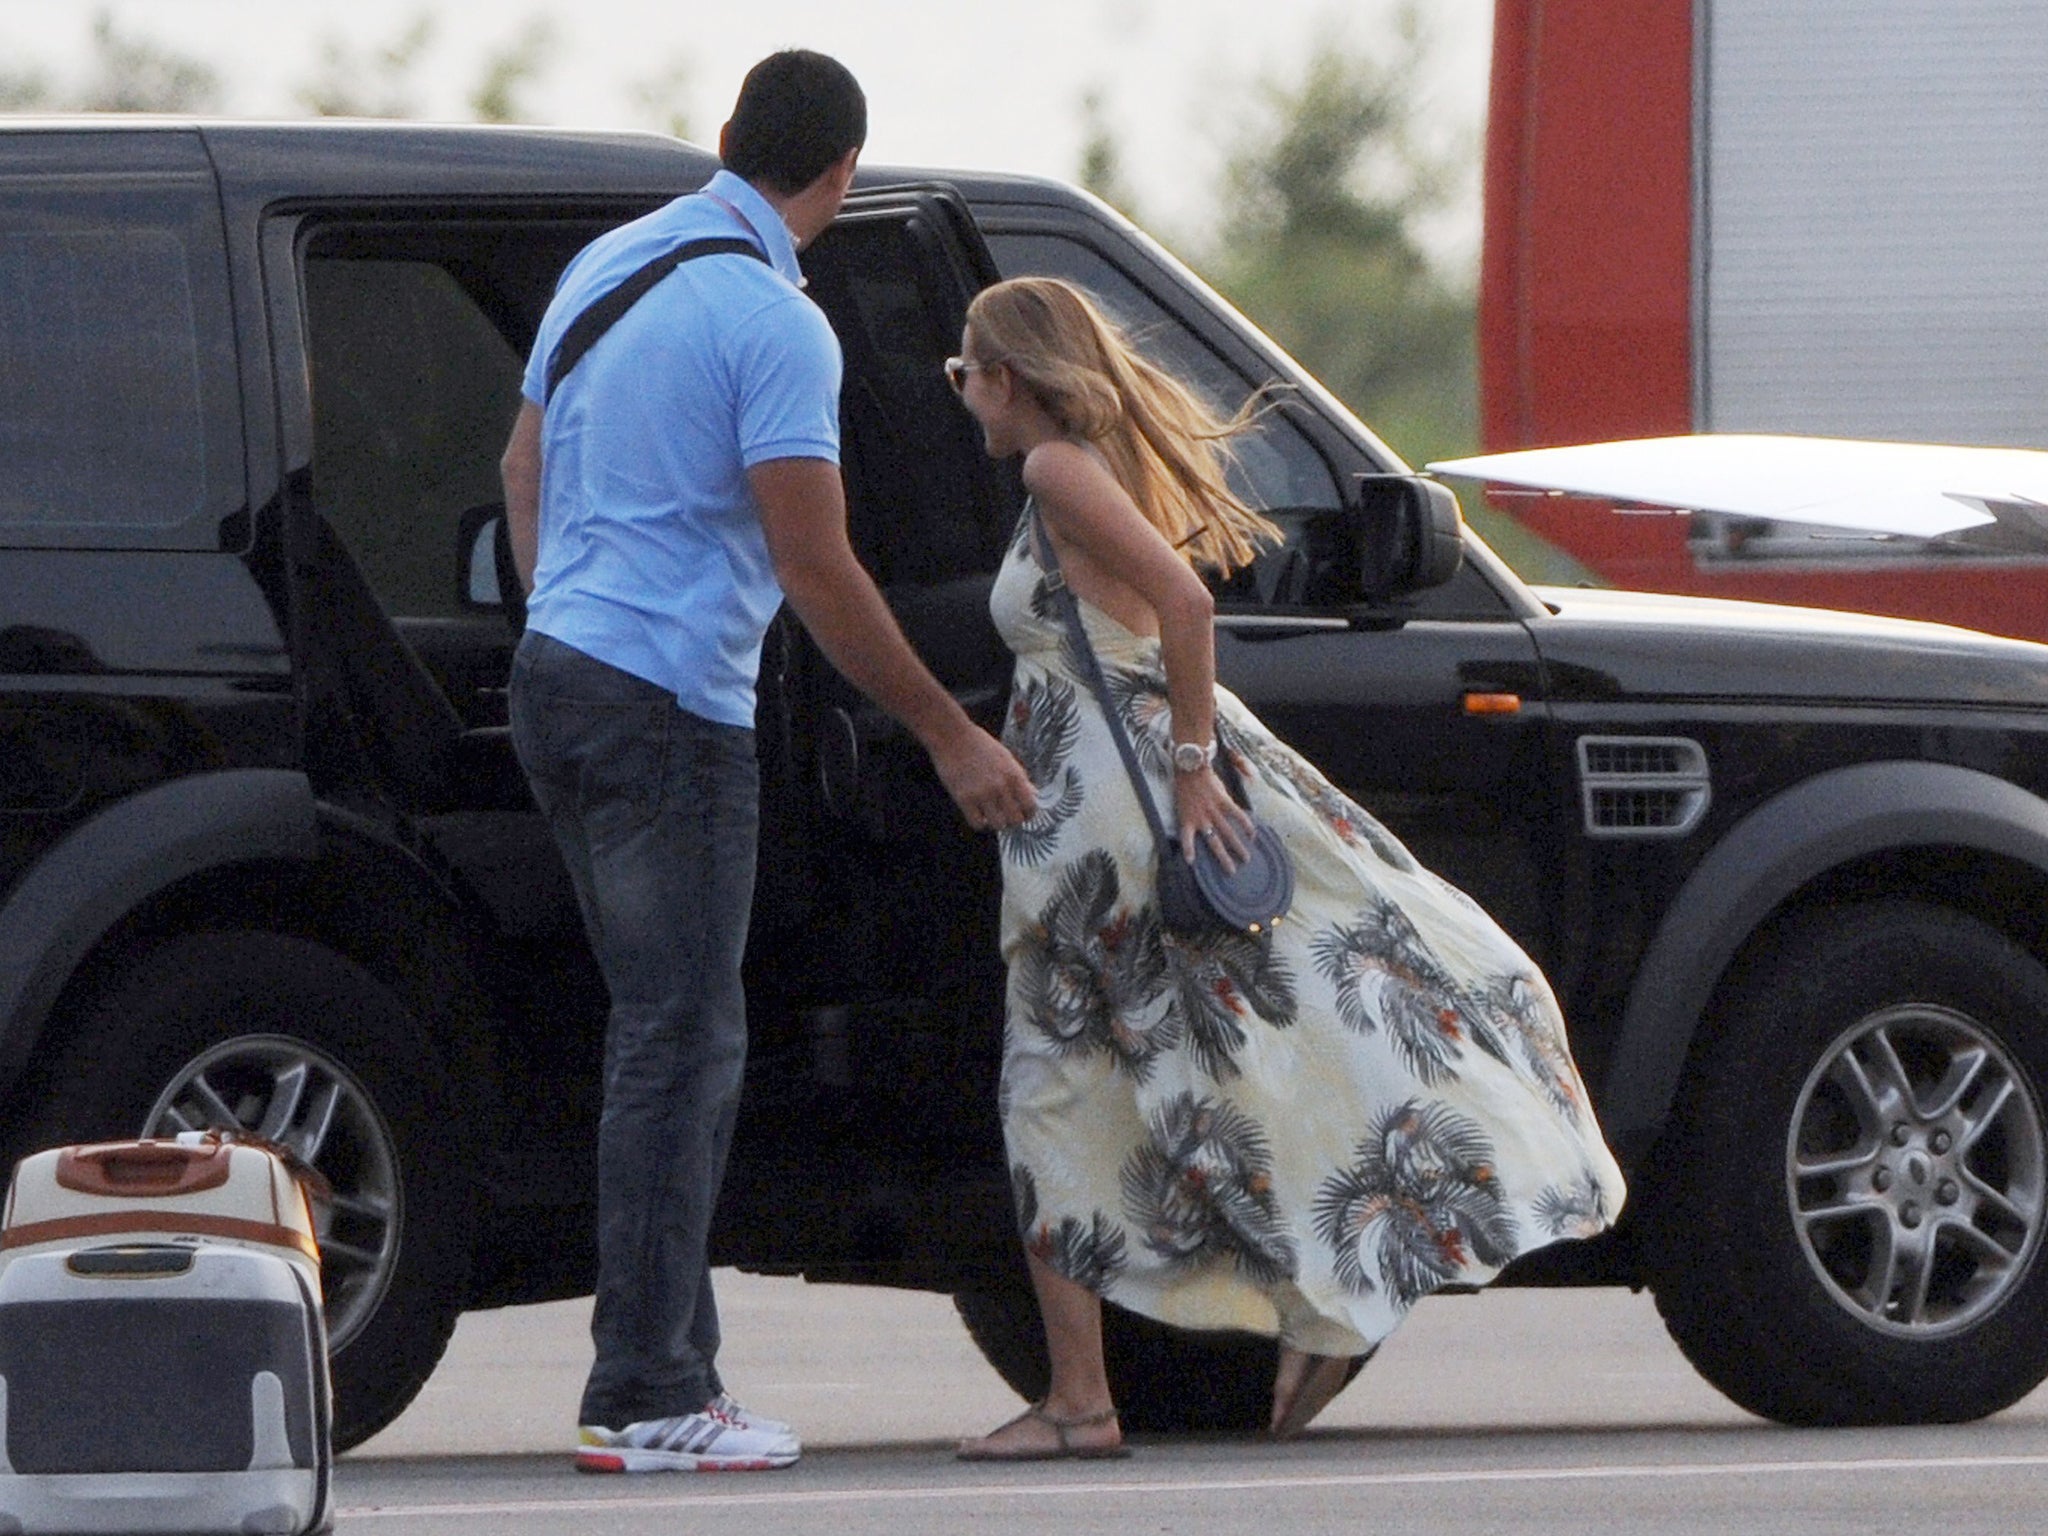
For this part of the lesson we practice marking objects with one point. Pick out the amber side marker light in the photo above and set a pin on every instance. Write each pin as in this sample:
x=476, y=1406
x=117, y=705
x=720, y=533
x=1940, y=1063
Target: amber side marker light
x=1493, y=703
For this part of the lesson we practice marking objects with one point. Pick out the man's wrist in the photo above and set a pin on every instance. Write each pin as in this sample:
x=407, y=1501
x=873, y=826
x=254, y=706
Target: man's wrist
x=941, y=725
x=1193, y=756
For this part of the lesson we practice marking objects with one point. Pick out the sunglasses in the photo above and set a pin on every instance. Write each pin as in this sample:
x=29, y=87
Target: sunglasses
x=957, y=369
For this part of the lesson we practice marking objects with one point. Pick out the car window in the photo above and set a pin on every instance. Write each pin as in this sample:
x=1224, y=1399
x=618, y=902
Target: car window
x=1278, y=470
x=924, y=504
x=119, y=412
x=414, y=390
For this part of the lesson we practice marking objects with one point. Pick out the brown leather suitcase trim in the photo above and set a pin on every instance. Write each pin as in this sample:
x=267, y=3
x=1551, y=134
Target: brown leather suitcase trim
x=67, y=1229
x=144, y=1170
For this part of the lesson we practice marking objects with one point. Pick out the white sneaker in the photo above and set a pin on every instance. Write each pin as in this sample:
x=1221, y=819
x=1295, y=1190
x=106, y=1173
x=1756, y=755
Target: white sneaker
x=730, y=1406
x=710, y=1441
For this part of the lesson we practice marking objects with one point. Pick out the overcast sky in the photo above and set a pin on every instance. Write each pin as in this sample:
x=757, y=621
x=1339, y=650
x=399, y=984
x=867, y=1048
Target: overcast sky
x=994, y=84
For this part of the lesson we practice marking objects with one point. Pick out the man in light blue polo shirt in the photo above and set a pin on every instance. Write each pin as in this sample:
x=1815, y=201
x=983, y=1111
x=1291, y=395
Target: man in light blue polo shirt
x=665, y=493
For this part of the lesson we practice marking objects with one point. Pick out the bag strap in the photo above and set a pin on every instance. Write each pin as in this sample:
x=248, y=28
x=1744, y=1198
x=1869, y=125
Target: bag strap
x=1091, y=665
x=607, y=310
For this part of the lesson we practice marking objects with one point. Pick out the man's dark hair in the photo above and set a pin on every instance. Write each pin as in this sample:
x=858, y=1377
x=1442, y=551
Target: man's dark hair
x=798, y=112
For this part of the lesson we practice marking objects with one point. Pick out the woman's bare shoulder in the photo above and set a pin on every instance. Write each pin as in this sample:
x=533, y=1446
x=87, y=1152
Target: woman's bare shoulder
x=1072, y=477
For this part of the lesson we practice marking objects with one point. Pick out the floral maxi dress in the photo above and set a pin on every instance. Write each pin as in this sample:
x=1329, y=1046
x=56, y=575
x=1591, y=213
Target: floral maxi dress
x=1297, y=1134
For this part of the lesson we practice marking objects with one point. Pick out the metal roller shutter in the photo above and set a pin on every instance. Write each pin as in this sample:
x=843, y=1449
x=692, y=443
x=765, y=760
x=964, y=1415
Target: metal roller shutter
x=1872, y=188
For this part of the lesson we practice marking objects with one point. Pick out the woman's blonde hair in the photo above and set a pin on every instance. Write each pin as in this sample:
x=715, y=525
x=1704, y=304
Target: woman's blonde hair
x=1168, y=448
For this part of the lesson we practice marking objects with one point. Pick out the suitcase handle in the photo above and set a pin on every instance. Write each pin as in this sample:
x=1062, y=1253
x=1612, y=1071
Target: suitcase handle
x=150, y=1169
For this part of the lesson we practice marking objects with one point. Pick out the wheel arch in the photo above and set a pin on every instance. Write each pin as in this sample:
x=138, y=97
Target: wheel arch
x=277, y=862
x=122, y=858
x=379, y=904
x=1936, y=829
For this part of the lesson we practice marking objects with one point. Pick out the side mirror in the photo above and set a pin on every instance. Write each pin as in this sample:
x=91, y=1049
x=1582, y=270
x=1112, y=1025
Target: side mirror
x=1410, y=535
x=485, y=577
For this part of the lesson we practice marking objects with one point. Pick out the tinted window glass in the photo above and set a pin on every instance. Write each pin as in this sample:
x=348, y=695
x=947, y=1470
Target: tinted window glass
x=1278, y=470
x=414, y=391
x=924, y=503
x=118, y=414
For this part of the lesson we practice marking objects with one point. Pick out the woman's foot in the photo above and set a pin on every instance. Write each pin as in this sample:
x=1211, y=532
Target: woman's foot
x=1041, y=1434
x=1303, y=1386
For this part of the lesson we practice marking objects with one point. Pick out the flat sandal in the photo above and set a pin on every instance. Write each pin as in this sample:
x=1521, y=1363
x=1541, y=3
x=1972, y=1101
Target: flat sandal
x=1065, y=1450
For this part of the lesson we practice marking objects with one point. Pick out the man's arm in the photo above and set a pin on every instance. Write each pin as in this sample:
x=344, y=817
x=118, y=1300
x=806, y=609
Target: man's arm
x=519, y=469
x=803, y=513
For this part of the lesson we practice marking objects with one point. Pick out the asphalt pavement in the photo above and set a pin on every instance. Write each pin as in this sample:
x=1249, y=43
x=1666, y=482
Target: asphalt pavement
x=1513, y=1411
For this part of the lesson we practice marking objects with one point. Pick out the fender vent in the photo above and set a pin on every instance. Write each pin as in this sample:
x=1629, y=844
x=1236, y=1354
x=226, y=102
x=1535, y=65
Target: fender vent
x=1642, y=786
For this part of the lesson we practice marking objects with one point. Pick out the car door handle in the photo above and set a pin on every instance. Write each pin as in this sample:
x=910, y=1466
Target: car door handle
x=1276, y=626
x=839, y=754
x=848, y=735
x=865, y=725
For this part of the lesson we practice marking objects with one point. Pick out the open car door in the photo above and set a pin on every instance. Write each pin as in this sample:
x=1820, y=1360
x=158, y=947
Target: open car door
x=877, y=922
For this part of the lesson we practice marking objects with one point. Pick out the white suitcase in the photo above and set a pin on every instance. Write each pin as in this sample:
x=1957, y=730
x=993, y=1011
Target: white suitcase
x=163, y=1355
x=162, y=1387
x=193, y=1189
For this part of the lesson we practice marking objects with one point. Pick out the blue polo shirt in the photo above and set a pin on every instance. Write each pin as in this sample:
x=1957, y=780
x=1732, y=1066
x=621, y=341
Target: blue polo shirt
x=651, y=551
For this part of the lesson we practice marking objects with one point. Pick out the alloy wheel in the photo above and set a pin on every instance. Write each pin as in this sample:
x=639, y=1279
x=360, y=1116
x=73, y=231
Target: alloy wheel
x=1916, y=1173
x=286, y=1091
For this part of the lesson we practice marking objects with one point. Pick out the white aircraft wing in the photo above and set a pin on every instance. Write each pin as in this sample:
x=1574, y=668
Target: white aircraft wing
x=1911, y=490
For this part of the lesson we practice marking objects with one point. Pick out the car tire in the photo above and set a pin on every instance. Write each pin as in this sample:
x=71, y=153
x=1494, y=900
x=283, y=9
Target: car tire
x=1849, y=1217
x=1165, y=1380
x=285, y=1037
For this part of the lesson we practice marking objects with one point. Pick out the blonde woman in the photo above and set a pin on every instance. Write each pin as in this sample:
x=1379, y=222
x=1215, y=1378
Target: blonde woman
x=1299, y=1133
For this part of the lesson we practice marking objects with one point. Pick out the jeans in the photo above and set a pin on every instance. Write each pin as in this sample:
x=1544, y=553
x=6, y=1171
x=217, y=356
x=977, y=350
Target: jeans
x=656, y=812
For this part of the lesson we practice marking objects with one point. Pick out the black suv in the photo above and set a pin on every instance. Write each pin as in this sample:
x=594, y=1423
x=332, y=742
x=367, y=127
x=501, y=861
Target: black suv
x=266, y=859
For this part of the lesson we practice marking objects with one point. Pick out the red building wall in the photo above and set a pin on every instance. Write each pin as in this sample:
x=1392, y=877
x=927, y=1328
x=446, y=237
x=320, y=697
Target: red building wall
x=1585, y=303
x=1586, y=276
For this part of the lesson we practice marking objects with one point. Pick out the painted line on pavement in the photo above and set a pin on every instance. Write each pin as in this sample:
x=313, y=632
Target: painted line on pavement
x=986, y=1491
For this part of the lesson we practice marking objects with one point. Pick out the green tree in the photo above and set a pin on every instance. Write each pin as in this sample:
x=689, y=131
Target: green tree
x=1318, y=244
x=1102, y=163
x=24, y=90
x=128, y=74
x=378, y=83
x=661, y=100
x=509, y=71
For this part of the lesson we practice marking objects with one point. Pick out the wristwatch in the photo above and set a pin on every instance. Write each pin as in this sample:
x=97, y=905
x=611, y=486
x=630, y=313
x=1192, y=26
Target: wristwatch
x=1193, y=756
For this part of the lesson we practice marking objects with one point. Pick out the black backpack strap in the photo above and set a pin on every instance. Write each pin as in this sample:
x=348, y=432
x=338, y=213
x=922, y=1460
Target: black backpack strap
x=605, y=312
